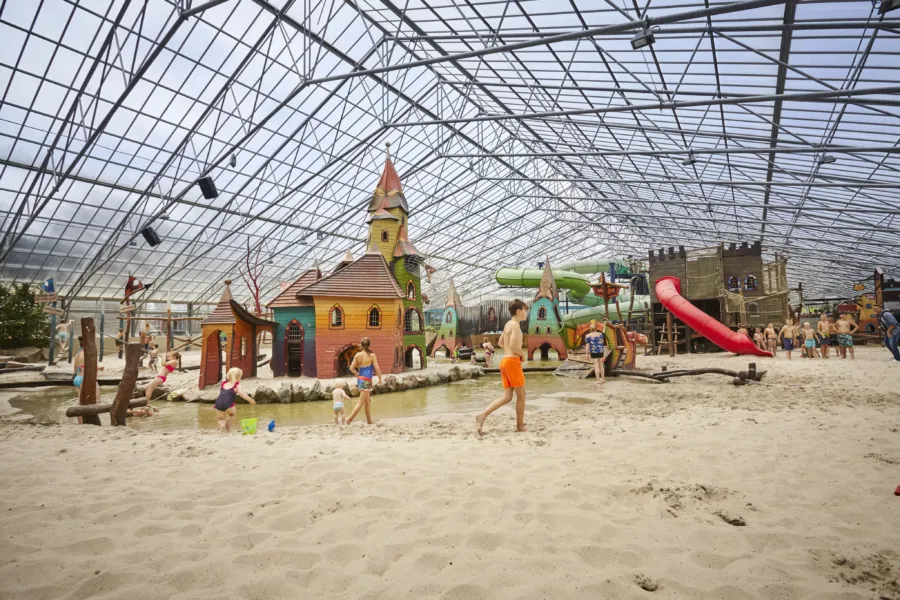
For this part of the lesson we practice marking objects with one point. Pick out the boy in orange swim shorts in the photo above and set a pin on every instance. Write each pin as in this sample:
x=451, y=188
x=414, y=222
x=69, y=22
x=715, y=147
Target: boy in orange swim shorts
x=511, y=367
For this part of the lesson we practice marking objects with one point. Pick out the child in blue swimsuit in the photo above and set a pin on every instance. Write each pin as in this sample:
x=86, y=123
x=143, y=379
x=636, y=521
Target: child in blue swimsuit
x=364, y=373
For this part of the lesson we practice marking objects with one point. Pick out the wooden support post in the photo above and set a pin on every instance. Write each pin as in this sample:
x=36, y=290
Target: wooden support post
x=102, y=323
x=52, y=352
x=687, y=339
x=89, y=392
x=169, y=329
x=670, y=333
x=751, y=371
x=119, y=412
x=605, y=295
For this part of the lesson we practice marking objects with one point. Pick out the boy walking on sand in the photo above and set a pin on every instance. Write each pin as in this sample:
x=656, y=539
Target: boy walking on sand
x=510, y=367
x=786, y=336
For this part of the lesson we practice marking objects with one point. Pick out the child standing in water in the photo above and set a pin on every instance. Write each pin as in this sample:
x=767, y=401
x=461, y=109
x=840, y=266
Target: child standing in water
x=488, y=352
x=339, y=396
x=510, y=367
x=228, y=393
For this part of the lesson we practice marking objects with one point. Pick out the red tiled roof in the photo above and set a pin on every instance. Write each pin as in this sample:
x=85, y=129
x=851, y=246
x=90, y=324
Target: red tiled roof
x=388, y=192
x=288, y=297
x=221, y=314
x=367, y=277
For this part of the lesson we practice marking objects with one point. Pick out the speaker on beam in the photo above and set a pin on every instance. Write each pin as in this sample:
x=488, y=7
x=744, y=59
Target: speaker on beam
x=208, y=187
x=151, y=236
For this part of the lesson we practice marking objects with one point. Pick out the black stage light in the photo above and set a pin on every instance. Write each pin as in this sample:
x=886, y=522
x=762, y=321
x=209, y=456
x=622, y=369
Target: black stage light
x=826, y=159
x=689, y=160
x=642, y=39
x=151, y=236
x=888, y=5
x=207, y=187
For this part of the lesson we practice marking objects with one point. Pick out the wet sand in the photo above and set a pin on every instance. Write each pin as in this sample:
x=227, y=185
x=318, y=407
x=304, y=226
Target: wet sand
x=694, y=489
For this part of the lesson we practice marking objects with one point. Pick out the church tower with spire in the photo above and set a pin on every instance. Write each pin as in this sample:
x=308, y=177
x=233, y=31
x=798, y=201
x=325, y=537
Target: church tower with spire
x=389, y=235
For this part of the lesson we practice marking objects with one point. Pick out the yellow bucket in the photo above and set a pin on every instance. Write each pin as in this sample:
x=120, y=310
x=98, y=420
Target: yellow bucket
x=248, y=426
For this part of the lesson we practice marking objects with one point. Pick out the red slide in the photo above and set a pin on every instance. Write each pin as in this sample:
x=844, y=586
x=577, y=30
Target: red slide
x=668, y=290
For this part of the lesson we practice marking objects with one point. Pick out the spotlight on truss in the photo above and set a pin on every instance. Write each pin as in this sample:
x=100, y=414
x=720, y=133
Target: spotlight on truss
x=232, y=160
x=132, y=244
x=826, y=159
x=163, y=217
x=888, y=5
x=320, y=236
x=643, y=38
x=690, y=160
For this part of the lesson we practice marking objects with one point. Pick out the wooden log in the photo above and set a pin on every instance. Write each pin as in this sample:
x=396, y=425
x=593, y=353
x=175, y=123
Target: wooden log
x=120, y=405
x=616, y=373
x=88, y=393
x=9, y=369
x=98, y=409
x=708, y=371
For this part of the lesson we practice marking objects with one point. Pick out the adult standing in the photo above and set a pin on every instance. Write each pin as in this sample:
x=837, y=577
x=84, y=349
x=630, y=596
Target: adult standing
x=891, y=330
x=364, y=366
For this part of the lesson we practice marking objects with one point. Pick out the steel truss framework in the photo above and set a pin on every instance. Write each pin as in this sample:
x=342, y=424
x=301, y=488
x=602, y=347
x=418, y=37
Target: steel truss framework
x=520, y=129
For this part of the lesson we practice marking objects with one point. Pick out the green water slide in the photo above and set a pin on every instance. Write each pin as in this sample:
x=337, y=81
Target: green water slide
x=572, y=276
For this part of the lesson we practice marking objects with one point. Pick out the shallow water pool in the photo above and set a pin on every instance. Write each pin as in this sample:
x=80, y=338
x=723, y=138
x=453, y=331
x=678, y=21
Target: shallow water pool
x=471, y=395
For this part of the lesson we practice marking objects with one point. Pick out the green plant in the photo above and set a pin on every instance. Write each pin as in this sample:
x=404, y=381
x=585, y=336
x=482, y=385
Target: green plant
x=21, y=321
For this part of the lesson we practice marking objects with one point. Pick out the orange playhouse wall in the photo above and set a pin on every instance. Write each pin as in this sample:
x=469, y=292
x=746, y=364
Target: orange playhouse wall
x=331, y=342
x=535, y=341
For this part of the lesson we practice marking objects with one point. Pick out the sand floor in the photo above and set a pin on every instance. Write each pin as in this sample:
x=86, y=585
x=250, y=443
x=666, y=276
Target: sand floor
x=691, y=490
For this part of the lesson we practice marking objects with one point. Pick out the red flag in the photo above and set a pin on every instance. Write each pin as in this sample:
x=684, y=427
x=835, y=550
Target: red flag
x=133, y=286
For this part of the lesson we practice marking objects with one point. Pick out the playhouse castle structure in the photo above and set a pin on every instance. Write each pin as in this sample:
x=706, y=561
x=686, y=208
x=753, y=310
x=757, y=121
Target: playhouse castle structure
x=321, y=318
x=544, y=320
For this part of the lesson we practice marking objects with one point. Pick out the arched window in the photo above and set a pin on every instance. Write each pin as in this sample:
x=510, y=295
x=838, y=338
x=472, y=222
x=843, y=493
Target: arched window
x=548, y=331
x=243, y=347
x=753, y=309
x=410, y=291
x=750, y=283
x=384, y=235
x=734, y=284
x=412, y=321
x=449, y=318
x=336, y=320
x=294, y=333
x=374, y=317
x=542, y=314
x=537, y=329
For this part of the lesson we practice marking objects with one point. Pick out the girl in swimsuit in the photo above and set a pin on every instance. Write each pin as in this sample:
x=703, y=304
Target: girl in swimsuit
x=172, y=360
x=488, y=352
x=228, y=392
x=595, y=341
x=363, y=366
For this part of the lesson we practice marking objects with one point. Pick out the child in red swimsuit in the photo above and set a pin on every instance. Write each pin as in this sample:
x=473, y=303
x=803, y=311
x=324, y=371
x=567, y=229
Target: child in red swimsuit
x=172, y=361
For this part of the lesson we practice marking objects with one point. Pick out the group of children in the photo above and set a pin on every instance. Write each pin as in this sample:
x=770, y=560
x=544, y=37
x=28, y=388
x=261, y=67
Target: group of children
x=812, y=343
